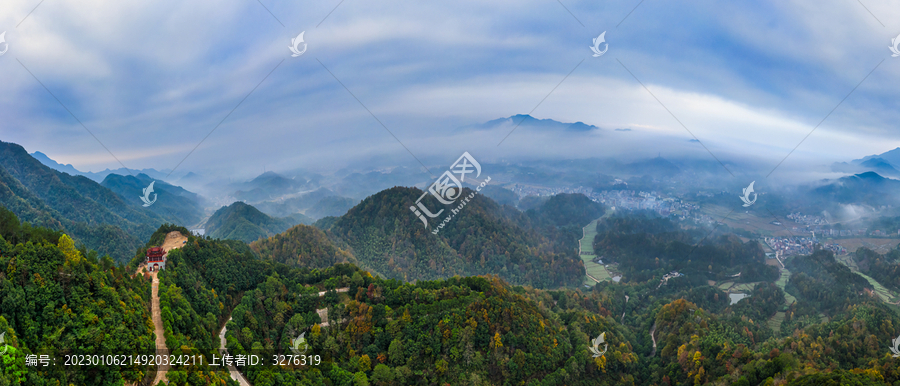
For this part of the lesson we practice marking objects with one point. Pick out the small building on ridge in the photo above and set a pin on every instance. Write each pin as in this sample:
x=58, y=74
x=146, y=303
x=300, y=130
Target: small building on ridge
x=156, y=259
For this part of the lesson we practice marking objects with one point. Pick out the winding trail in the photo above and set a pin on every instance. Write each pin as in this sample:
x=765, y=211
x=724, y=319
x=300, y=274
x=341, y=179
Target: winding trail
x=158, y=330
x=323, y=313
x=343, y=289
x=233, y=371
x=235, y=374
x=173, y=240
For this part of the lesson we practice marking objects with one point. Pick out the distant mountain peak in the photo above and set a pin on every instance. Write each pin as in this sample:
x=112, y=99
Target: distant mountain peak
x=874, y=163
x=871, y=176
x=526, y=120
x=98, y=176
x=891, y=156
x=49, y=162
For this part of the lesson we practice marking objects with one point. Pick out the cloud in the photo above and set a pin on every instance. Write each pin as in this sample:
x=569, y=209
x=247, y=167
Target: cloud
x=163, y=75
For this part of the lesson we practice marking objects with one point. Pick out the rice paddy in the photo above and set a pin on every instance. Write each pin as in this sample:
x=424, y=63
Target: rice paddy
x=594, y=273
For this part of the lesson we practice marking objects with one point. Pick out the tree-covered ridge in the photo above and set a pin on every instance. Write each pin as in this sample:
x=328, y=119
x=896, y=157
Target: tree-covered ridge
x=457, y=330
x=243, y=222
x=56, y=297
x=302, y=246
x=483, y=238
x=285, y=305
x=567, y=209
x=461, y=331
x=883, y=268
x=481, y=331
x=202, y=282
x=646, y=248
x=734, y=345
x=823, y=287
x=88, y=212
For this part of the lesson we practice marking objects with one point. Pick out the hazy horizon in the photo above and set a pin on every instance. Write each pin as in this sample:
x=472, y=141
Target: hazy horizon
x=152, y=81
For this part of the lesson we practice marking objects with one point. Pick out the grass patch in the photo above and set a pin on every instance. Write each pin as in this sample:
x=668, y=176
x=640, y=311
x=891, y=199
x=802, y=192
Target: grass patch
x=586, y=244
x=776, y=320
x=781, y=282
x=883, y=293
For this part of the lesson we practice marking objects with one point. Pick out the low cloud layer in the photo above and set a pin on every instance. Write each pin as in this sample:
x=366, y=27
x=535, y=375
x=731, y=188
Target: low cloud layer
x=151, y=80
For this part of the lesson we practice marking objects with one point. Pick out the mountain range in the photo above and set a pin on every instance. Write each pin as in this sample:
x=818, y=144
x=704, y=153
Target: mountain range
x=89, y=212
x=868, y=188
x=267, y=186
x=891, y=156
x=173, y=203
x=525, y=121
x=535, y=247
x=885, y=164
x=100, y=176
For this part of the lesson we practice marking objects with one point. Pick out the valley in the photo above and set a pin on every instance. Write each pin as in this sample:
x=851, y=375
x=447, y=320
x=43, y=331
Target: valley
x=450, y=193
x=383, y=301
x=595, y=272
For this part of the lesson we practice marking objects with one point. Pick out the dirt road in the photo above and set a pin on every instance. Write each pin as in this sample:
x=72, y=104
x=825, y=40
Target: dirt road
x=173, y=240
x=344, y=289
x=158, y=329
x=323, y=313
x=235, y=374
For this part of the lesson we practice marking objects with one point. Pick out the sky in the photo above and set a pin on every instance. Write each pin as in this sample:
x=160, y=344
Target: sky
x=212, y=87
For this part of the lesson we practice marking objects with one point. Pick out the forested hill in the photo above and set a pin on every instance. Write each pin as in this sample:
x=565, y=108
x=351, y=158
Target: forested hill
x=302, y=246
x=82, y=208
x=482, y=331
x=243, y=222
x=538, y=247
x=647, y=247
x=368, y=330
x=61, y=299
x=202, y=282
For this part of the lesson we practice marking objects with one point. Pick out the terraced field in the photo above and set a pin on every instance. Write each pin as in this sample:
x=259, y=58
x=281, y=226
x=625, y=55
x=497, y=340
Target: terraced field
x=884, y=294
x=732, y=287
x=781, y=282
x=776, y=320
x=594, y=273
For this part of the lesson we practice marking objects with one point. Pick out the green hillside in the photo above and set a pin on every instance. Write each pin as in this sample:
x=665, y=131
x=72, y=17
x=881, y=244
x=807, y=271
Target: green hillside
x=302, y=246
x=243, y=222
x=369, y=330
x=57, y=298
x=536, y=248
x=89, y=212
